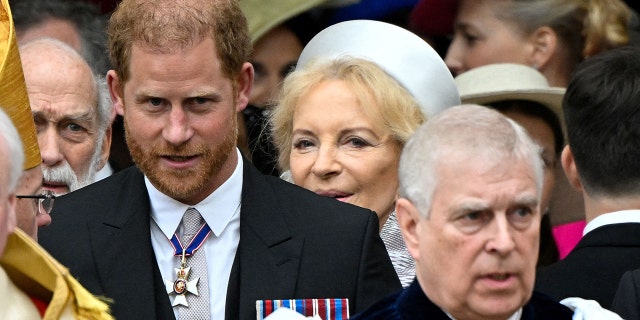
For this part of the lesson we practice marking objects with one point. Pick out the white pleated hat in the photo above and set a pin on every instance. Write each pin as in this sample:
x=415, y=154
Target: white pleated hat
x=402, y=54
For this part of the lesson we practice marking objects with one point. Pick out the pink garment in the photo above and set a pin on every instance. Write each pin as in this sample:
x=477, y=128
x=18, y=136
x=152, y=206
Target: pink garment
x=567, y=236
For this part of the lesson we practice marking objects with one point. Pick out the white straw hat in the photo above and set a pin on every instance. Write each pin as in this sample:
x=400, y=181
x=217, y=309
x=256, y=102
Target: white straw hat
x=402, y=54
x=509, y=81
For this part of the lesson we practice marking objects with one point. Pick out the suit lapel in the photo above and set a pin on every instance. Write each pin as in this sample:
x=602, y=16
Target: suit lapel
x=122, y=242
x=265, y=267
x=268, y=257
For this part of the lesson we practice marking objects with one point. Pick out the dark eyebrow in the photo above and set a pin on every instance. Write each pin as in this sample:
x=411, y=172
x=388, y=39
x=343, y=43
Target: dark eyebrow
x=215, y=96
x=210, y=94
x=460, y=26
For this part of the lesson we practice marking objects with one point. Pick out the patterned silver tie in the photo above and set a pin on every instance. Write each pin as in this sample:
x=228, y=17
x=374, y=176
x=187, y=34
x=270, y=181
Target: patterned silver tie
x=198, y=307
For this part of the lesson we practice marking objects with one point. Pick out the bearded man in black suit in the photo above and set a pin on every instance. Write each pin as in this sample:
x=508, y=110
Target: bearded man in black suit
x=180, y=77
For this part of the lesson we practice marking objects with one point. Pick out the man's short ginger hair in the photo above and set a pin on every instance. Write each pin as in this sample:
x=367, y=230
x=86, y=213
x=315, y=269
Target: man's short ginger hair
x=165, y=26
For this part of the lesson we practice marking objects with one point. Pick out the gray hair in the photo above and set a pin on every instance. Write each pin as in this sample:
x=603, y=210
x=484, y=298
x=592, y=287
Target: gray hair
x=472, y=130
x=12, y=150
x=104, y=106
x=104, y=115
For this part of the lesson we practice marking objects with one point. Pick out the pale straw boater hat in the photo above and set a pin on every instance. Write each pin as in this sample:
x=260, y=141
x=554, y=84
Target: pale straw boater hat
x=13, y=91
x=509, y=81
x=400, y=53
x=264, y=15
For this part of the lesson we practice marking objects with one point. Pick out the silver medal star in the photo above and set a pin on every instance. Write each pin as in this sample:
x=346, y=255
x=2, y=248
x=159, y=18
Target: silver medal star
x=180, y=287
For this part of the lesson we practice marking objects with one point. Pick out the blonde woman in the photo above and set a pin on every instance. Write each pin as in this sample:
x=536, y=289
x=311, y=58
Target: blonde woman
x=347, y=111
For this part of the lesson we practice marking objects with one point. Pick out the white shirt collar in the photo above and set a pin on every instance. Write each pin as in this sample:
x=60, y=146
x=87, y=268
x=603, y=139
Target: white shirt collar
x=217, y=209
x=624, y=216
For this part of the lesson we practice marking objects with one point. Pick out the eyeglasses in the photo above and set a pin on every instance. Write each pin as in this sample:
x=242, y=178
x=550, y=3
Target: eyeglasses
x=43, y=201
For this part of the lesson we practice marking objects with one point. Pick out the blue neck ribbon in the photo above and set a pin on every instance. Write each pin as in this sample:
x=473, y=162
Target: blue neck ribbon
x=195, y=243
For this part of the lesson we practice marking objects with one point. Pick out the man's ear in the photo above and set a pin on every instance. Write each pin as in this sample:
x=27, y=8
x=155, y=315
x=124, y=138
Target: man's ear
x=409, y=222
x=570, y=169
x=11, y=213
x=245, y=83
x=106, y=148
x=544, y=42
x=116, y=91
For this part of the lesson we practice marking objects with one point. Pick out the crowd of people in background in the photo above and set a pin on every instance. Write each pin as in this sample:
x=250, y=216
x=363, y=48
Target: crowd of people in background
x=365, y=159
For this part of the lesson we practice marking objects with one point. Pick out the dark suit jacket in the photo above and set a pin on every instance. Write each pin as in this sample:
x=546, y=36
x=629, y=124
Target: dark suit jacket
x=593, y=268
x=293, y=244
x=413, y=304
x=626, y=302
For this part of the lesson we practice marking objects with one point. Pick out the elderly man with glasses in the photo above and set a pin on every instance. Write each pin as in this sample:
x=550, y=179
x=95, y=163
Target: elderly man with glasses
x=14, y=101
x=32, y=284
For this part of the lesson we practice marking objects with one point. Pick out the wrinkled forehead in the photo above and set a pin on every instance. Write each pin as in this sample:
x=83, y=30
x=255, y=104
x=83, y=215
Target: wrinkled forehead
x=485, y=167
x=55, y=68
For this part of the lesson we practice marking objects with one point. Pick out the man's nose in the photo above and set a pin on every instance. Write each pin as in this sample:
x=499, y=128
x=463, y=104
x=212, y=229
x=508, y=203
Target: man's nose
x=178, y=128
x=501, y=240
x=49, y=144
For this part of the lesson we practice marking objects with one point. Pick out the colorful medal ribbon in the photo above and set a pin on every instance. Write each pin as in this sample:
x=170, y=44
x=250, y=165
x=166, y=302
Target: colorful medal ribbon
x=326, y=309
x=181, y=286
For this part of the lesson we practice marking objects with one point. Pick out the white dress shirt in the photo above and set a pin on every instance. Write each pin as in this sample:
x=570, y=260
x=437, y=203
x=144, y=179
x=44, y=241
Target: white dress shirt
x=221, y=211
x=105, y=172
x=624, y=216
